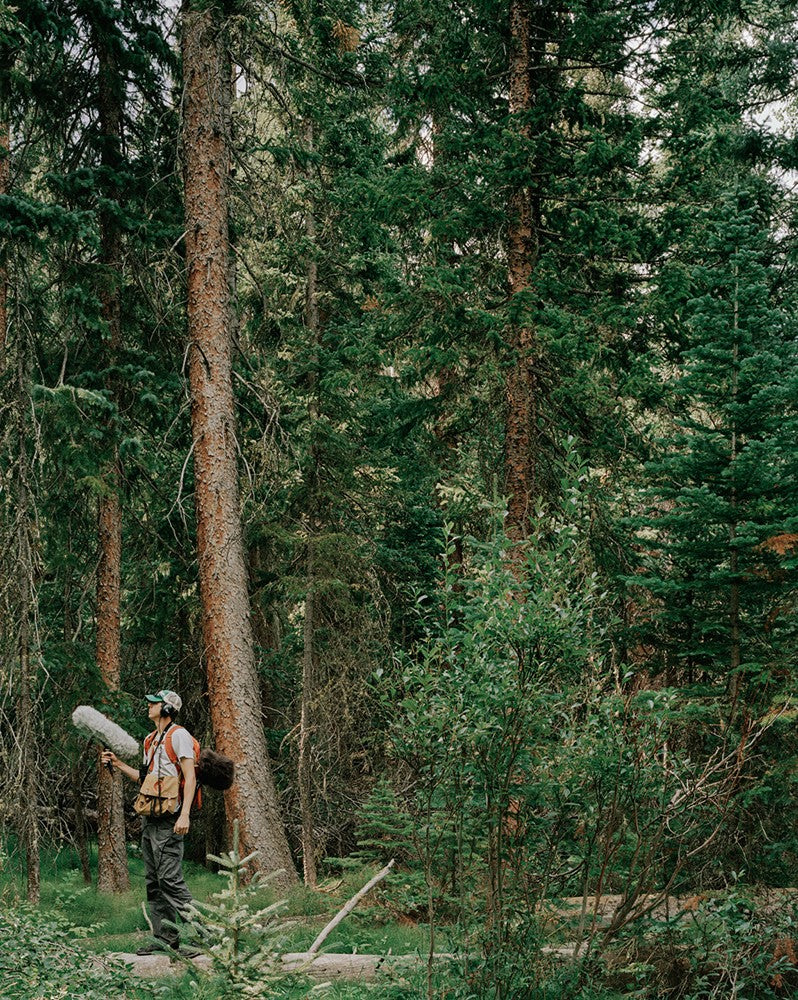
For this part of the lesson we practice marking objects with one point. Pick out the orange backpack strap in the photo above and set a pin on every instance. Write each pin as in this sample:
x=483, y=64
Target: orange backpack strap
x=149, y=740
x=172, y=755
x=170, y=750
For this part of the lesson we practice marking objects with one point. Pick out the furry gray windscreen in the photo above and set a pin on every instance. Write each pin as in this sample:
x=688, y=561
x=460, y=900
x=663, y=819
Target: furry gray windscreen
x=96, y=726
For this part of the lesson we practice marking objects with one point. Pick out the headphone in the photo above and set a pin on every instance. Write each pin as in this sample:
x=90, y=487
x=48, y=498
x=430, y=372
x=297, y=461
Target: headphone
x=167, y=711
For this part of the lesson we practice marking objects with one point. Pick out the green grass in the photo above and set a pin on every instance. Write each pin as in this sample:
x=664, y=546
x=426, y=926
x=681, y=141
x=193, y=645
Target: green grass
x=115, y=922
x=208, y=988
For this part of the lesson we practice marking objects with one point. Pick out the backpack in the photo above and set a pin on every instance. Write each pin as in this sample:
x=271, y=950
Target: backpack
x=172, y=755
x=214, y=770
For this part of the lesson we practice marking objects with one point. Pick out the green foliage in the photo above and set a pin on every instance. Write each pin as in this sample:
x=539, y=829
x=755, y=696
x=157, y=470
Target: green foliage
x=731, y=944
x=42, y=957
x=523, y=779
x=476, y=702
x=243, y=942
x=117, y=920
x=509, y=732
x=724, y=485
x=385, y=829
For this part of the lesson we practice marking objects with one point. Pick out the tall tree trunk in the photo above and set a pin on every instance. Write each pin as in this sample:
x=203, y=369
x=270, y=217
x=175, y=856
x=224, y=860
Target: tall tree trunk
x=28, y=790
x=233, y=684
x=112, y=872
x=81, y=838
x=305, y=776
x=68, y=629
x=447, y=381
x=735, y=657
x=522, y=390
x=28, y=822
x=5, y=176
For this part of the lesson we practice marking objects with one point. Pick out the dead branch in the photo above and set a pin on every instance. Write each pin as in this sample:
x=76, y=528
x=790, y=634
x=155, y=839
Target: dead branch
x=349, y=907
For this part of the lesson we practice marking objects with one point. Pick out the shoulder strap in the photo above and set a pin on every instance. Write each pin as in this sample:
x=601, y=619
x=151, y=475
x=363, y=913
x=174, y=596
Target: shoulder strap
x=170, y=750
x=172, y=755
x=149, y=741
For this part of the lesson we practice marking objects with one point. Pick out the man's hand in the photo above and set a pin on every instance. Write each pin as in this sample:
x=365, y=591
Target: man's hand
x=182, y=824
x=110, y=759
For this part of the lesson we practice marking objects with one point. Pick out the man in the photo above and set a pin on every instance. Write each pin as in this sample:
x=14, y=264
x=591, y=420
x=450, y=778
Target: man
x=162, y=836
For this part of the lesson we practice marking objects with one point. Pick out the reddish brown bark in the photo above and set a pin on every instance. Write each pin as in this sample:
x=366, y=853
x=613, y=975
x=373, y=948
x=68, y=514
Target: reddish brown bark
x=26, y=733
x=521, y=390
x=112, y=872
x=309, y=656
x=227, y=629
x=5, y=175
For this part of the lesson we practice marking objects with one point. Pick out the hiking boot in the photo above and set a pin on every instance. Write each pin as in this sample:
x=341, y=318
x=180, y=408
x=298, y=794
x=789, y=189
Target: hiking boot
x=184, y=951
x=188, y=952
x=155, y=948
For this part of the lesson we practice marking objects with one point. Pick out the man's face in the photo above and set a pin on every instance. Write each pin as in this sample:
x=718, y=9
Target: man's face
x=154, y=710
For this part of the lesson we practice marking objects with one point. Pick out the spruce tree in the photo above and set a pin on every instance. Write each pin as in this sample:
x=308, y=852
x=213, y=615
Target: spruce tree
x=228, y=640
x=718, y=311
x=312, y=265
x=726, y=480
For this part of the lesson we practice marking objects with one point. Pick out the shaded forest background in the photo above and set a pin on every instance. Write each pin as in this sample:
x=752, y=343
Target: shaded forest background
x=512, y=333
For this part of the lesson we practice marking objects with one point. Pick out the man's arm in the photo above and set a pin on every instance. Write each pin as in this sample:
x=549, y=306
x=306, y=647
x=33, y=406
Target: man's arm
x=114, y=761
x=190, y=786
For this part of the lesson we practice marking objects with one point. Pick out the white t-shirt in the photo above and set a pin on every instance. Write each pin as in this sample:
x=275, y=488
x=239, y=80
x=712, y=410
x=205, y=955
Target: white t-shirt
x=183, y=746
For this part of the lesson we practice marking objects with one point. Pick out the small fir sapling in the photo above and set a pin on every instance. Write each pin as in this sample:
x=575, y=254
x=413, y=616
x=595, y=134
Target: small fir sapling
x=244, y=943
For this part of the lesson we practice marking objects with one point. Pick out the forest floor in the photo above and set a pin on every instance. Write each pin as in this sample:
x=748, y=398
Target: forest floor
x=116, y=924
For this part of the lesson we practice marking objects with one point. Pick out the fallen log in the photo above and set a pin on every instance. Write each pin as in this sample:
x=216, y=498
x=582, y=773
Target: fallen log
x=321, y=968
x=367, y=968
x=570, y=907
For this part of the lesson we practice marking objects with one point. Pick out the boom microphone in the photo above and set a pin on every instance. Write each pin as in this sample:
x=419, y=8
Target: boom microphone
x=96, y=726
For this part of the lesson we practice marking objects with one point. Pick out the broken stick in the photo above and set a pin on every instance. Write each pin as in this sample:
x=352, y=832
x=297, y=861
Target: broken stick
x=349, y=907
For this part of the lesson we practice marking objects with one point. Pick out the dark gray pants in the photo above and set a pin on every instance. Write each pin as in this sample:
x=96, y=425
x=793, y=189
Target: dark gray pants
x=167, y=892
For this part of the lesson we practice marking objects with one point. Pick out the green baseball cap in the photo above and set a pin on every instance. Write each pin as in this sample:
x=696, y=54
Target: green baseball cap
x=170, y=698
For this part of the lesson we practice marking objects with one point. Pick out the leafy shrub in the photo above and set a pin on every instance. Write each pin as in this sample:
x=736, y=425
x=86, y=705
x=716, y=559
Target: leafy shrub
x=738, y=947
x=525, y=776
x=40, y=960
x=729, y=946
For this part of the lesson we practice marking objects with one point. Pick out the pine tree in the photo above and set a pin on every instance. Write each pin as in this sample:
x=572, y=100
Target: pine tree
x=233, y=686
x=727, y=478
x=721, y=481
x=106, y=41
x=245, y=942
x=534, y=215
x=76, y=242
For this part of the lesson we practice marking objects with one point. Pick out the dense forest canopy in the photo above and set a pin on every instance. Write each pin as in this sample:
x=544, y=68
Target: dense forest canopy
x=414, y=388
